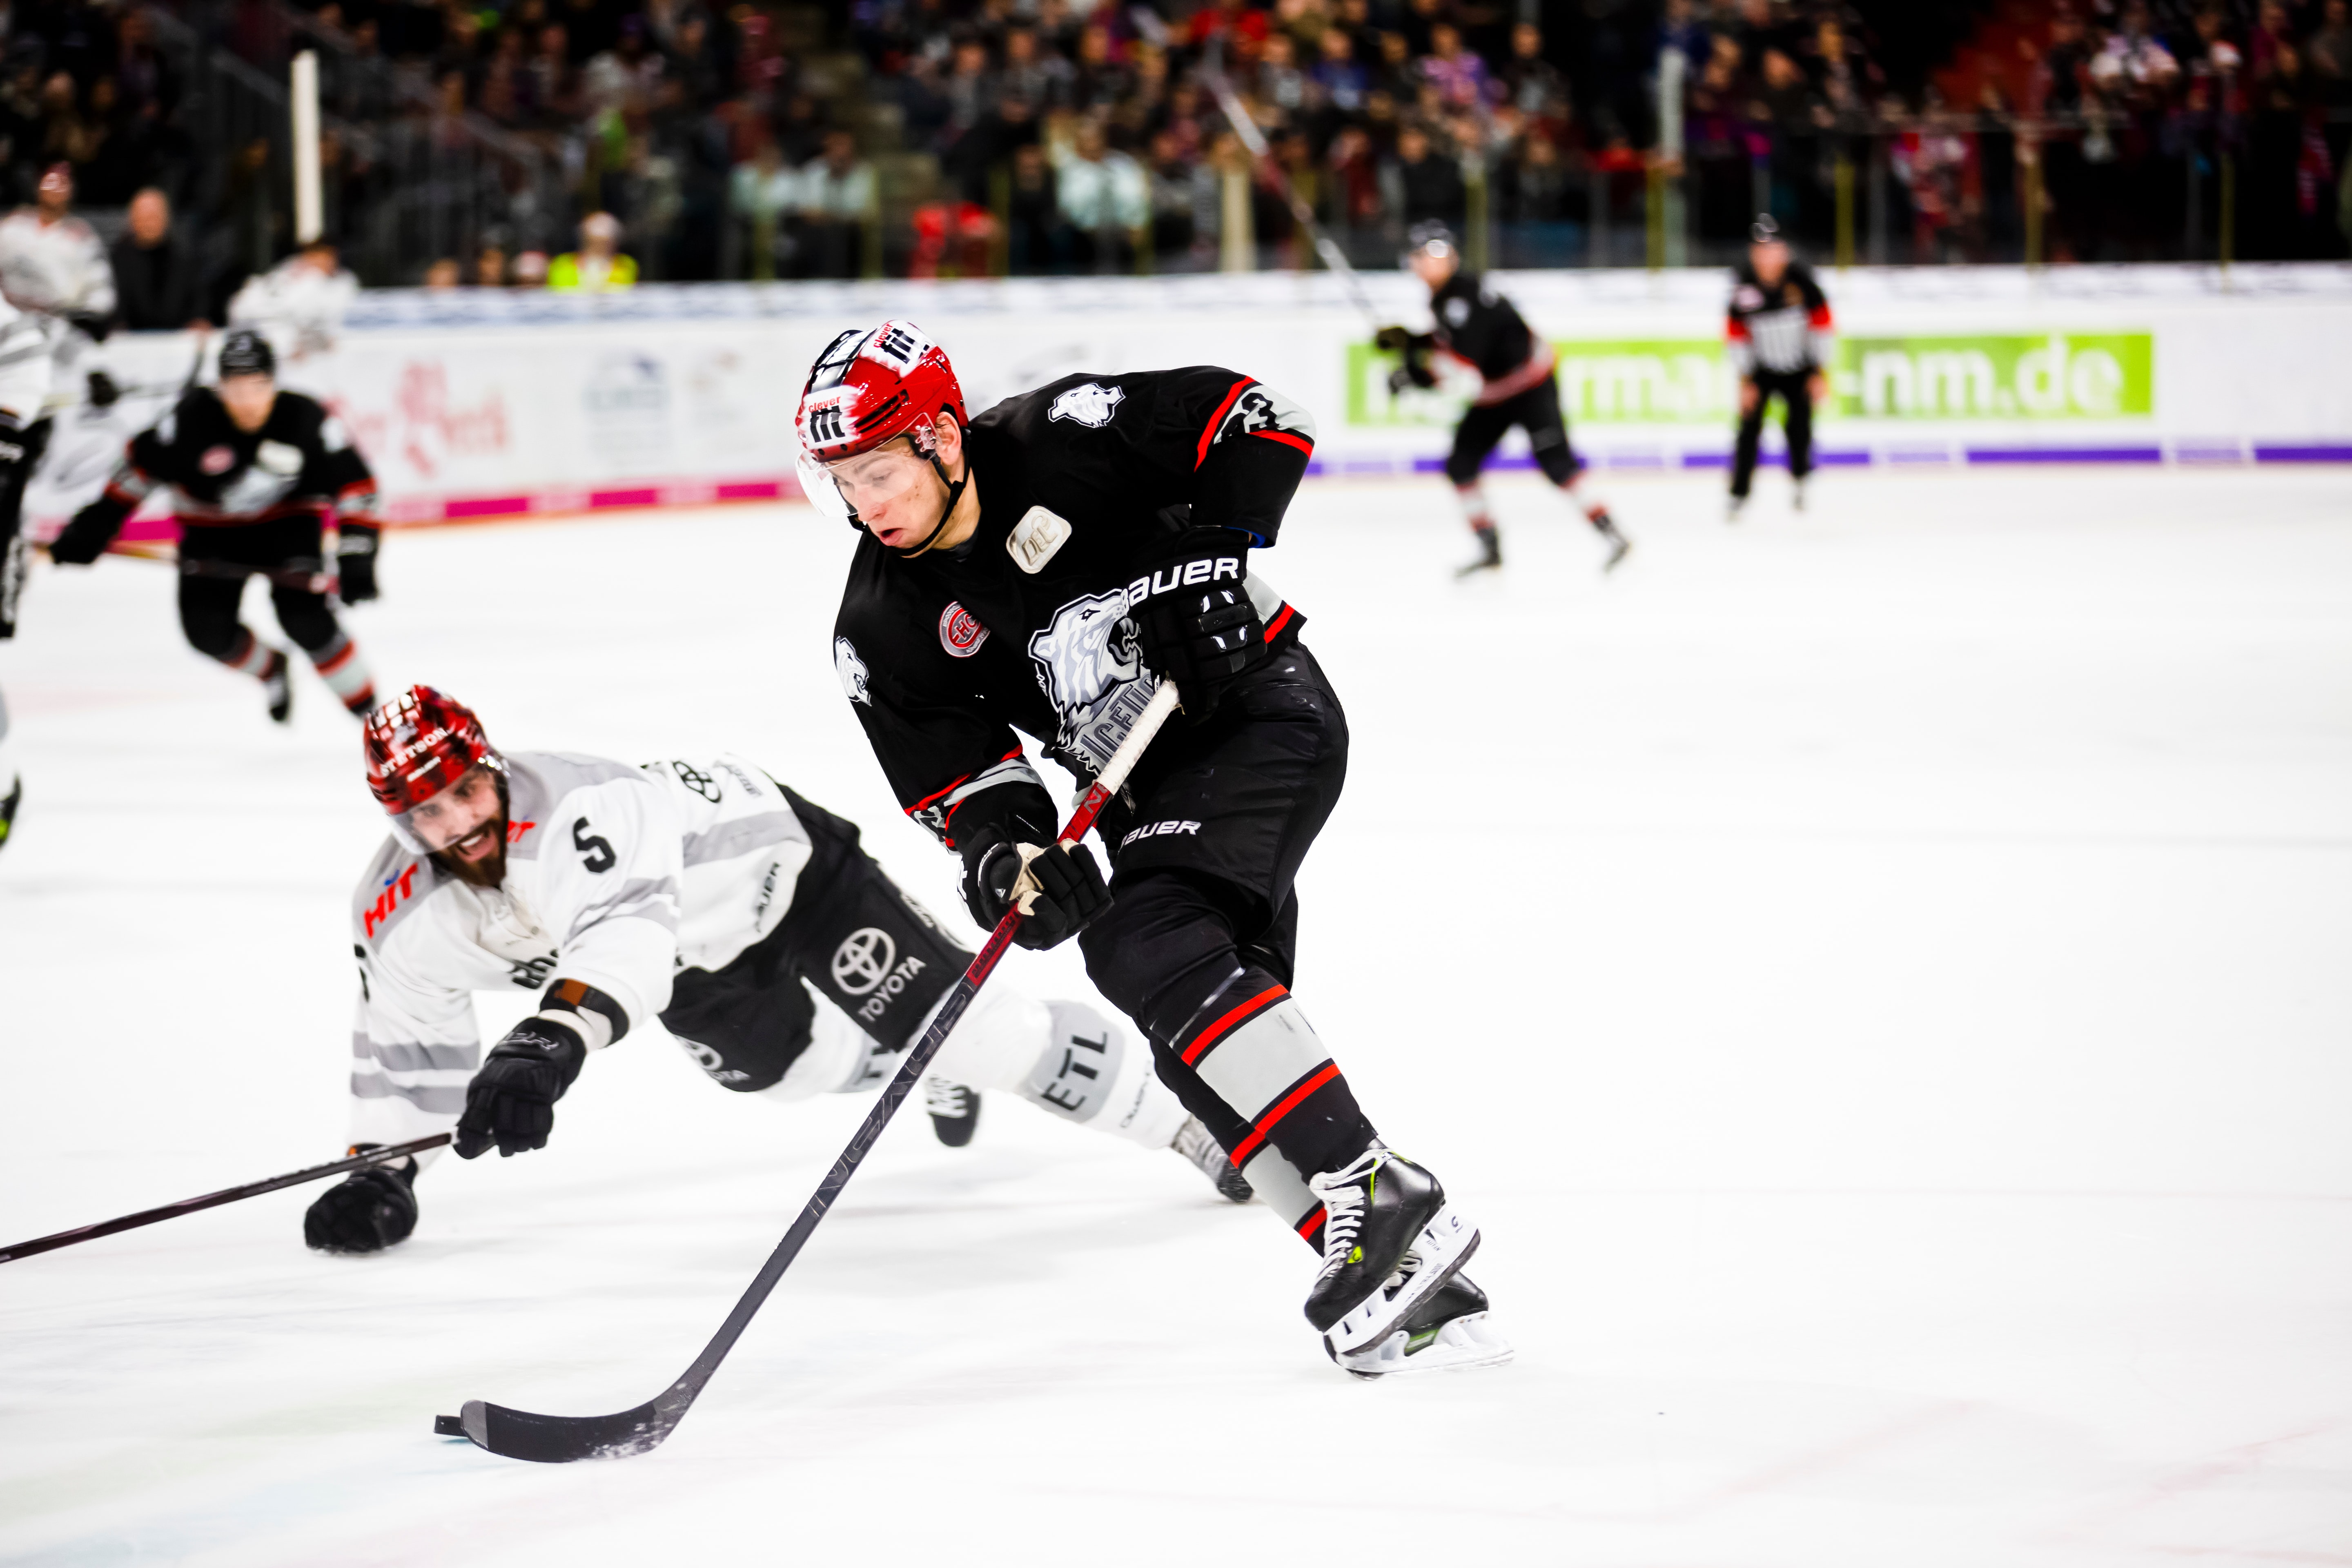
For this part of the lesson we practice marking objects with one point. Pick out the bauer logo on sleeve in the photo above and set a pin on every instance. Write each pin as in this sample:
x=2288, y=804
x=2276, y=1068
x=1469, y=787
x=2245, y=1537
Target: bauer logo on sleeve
x=1034, y=539
x=960, y=632
x=1089, y=403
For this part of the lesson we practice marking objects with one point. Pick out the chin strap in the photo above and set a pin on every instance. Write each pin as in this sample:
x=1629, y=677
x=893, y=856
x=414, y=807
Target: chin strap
x=955, y=494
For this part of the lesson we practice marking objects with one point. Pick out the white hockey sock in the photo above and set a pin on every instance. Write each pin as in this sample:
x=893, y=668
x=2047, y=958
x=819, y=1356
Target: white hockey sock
x=7, y=752
x=251, y=655
x=1472, y=500
x=346, y=673
x=1583, y=500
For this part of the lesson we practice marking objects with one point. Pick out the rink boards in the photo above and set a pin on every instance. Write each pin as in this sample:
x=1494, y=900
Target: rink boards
x=474, y=405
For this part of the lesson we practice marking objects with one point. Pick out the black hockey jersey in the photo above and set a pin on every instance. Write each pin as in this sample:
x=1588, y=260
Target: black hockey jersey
x=300, y=460
x=1782, y=330
x=1084, y=485
x=1484, y=331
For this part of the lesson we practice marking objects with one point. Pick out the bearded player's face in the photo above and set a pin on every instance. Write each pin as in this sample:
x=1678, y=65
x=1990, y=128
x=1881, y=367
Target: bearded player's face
x=465, y=825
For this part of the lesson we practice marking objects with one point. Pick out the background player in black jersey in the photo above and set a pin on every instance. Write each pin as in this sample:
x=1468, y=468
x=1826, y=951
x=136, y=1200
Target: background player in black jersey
x=1777, y=337
x=1479, y=327
x=1042, y=568
x=259, y=475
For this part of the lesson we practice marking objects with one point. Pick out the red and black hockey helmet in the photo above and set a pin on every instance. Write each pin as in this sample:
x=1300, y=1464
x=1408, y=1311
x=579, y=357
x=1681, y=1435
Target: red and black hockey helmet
x=417, y=745
x=868, y=388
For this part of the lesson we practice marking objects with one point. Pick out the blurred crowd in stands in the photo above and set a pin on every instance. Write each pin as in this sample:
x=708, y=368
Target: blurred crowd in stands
x=589, y=144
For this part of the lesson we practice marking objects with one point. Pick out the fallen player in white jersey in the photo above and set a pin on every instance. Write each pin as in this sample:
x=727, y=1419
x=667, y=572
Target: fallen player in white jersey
x=704, y=894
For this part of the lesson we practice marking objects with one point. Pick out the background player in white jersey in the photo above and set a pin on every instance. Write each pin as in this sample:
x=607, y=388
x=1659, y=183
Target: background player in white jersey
x=300, y=305
x=53, y=267
x=702, y=893
x=23, y=387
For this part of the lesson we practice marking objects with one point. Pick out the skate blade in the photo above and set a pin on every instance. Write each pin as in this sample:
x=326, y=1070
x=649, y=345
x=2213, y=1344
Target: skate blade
x=1444, y=1245
x=1460, y=1344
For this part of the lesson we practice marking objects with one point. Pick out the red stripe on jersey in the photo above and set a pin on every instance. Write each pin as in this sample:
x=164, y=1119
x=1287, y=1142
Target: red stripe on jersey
x=1737, y=331
x=1288, y=1103
x=1208, y=431
x=1274, y=628
x=1819, y=319
x=1224, y=1026
x=1287, y=439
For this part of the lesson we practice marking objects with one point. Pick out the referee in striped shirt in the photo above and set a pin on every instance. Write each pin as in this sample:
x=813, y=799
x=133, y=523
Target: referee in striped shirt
x=1778, y=337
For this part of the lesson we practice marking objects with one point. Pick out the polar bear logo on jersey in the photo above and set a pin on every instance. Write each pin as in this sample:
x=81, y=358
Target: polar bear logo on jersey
x=852, y=670
x=1090, y=404
x=1085, y=653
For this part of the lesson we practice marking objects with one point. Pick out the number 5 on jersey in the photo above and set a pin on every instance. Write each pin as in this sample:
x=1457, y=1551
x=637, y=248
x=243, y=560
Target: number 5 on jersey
x=594, y=853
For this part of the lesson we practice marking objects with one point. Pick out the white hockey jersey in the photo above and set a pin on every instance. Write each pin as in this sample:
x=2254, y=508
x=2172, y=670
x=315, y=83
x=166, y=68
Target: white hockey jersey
x=615, y=876
x=52, y=271
x=25, y=367
x=298, y=308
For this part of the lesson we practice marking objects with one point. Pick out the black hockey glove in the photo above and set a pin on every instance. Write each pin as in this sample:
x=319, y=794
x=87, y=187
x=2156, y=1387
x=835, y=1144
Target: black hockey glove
x=989, y=828
x=93, y=528
x=96, y=327
x=1201, y=631
x=511, y=1101
x=1070, y=890
x=367, y=1211
x=1414, y=349
x=355, y=563
x=103, y=393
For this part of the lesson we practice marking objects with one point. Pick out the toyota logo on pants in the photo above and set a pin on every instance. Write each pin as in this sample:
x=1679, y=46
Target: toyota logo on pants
x=862, y=960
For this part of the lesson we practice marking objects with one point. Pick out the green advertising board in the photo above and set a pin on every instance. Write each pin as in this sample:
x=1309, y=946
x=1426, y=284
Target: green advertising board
x=1669, y=381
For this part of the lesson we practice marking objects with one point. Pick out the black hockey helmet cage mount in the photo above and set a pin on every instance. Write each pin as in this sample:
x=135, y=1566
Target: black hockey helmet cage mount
x=1765, y=230
x=246, y=353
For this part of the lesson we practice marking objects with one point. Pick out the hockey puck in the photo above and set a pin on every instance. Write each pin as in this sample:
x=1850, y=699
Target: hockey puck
x=449, y=1426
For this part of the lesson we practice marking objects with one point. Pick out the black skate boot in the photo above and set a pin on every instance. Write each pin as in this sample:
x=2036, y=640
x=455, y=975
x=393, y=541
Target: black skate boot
x=8, y=809
x=1490, y=554
x=1448, y=1331
x=278, y=682
x=1390, y=1238
x=1619, y=545
x=955, y=1111
x=1200, y=1147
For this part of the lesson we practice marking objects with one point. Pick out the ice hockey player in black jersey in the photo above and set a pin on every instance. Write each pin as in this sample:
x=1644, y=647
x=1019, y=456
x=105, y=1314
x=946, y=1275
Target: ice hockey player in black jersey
x=263, y=479
x=1041, y=568
x=1777, y=337
x=1478, y=327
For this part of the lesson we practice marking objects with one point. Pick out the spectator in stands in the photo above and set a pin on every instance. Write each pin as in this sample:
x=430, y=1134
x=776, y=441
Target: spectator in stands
x=490, y=267
x=443, y=273
x=1429, y=185
x=599, y=266
x=1105, y=198
x=762, y=195
x=157, y=287
x=837, y=201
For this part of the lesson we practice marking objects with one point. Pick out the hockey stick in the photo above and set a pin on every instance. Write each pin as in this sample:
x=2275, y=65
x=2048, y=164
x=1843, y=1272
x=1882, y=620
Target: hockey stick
x=213, y=1200
x=559, y=1439
x=1155, y=31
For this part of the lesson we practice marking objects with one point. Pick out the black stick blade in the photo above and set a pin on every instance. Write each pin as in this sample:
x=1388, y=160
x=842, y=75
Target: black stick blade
x=560, y=1439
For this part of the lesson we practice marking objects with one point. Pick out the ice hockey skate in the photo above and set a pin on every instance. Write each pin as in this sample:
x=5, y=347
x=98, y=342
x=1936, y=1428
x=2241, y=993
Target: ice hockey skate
x=1489, y=557
x=1797, y=494
x=1449, y=1332
x=1198, y=1145
x=1389, y=1240
x=1619, y=545
x=277, y=684
x=8, y=805
x=954, y=1108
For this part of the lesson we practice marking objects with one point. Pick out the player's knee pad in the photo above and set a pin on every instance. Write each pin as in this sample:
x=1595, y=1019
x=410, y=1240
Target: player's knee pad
x=1463, y=470
x=1161, y=946
x=307, y=618
x=212, y=629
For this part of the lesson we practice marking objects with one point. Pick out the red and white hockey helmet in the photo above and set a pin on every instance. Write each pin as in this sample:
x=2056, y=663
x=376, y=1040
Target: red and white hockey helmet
x=417, y=746
x=869, y=387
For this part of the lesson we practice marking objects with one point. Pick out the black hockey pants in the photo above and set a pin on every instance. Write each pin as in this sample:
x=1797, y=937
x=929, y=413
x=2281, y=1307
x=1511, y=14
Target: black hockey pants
x=214, y=561
x=1199, y=939
x=851, y=932
x=1797, y=401
x=1484, y=426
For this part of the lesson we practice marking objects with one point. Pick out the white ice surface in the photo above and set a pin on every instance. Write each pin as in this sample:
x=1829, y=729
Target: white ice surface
x=1880, y=977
